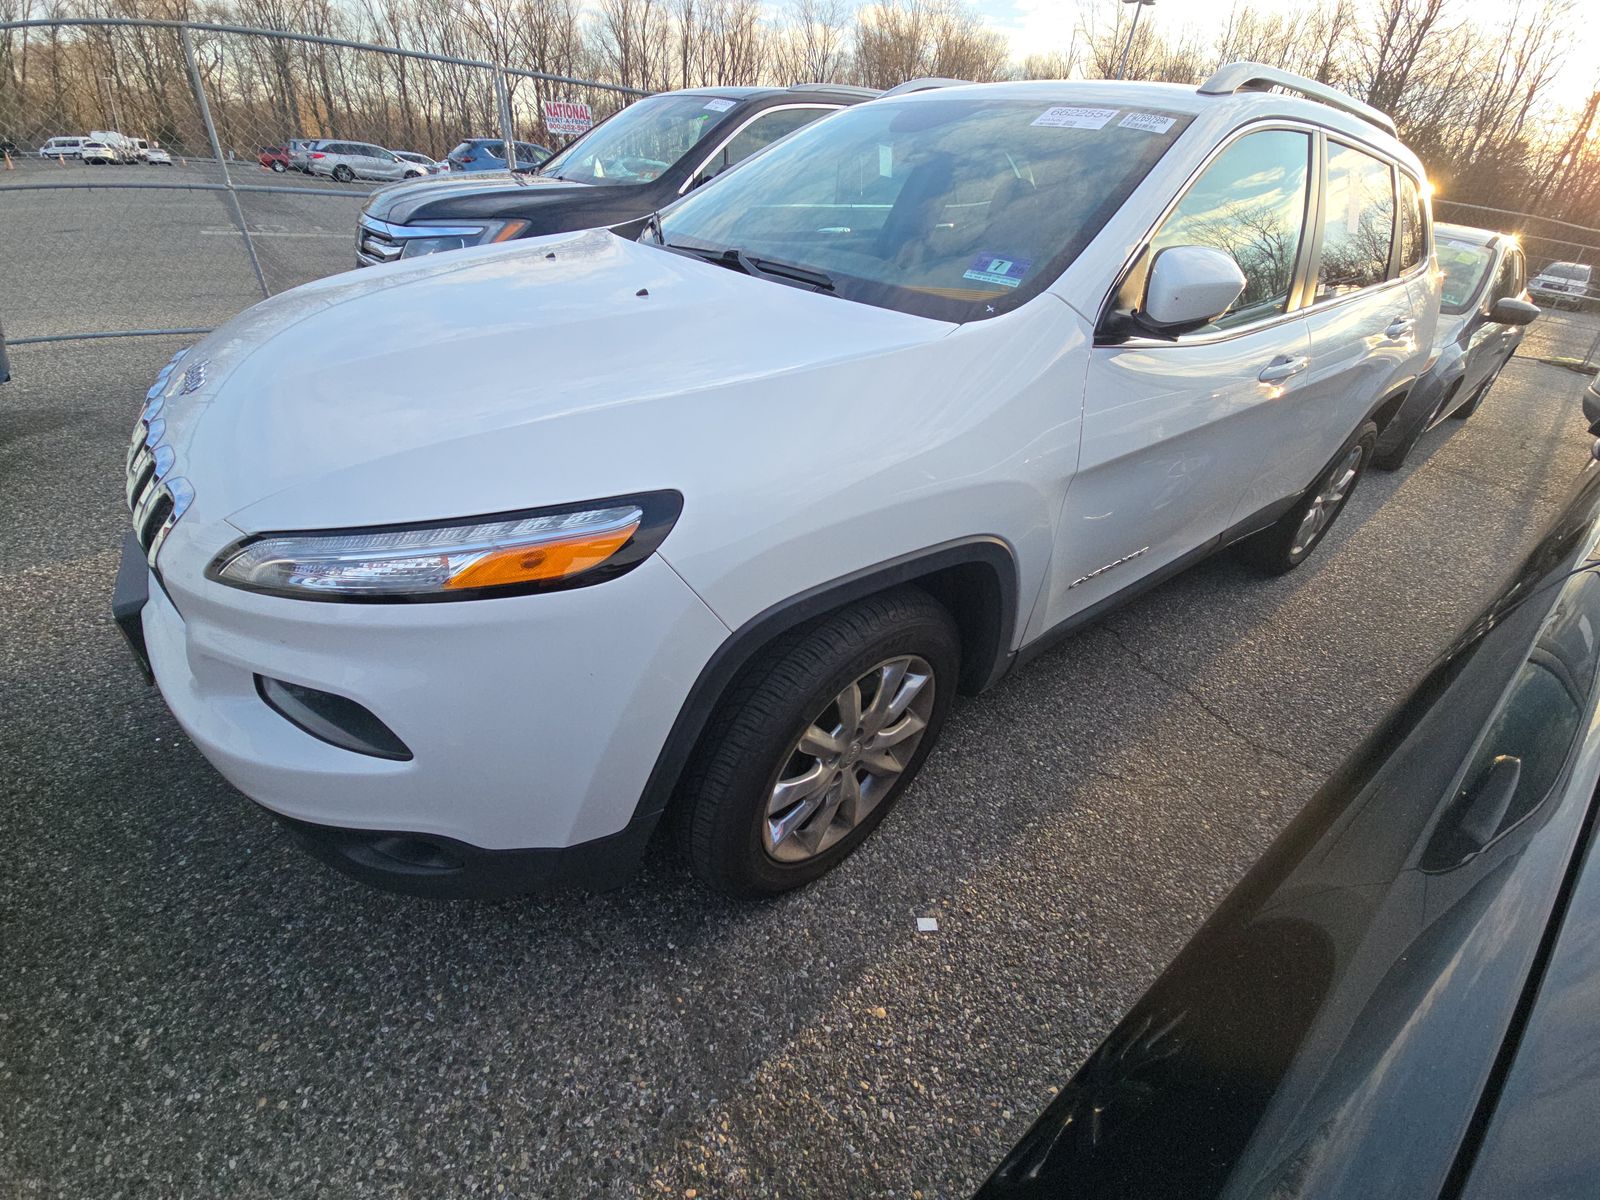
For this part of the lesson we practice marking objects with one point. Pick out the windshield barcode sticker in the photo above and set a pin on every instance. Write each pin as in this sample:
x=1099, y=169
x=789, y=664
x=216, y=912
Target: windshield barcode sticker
x=719, y=105
x=1149, y=122
x=1076, y=118
x=990, y=268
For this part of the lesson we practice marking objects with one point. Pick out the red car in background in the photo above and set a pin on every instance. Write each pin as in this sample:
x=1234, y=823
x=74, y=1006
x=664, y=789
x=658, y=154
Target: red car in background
x=274, y=158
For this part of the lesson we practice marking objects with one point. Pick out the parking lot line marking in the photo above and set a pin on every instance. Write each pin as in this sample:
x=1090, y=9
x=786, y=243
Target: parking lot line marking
x=255, y=233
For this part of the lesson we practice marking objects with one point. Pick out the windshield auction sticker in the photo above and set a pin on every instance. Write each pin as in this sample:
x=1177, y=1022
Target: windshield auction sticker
x=1076, y=118
x=990, y=268
x=1149, y=122
x=719, y=105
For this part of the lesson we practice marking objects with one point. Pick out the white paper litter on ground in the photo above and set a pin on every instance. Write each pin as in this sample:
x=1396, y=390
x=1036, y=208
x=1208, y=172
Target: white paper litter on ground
x=927, y=925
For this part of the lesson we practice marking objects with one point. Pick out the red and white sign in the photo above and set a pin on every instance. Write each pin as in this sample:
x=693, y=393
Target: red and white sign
x=566, y=116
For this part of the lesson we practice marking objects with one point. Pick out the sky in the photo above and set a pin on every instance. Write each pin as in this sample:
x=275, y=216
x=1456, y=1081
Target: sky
x=1043, y=26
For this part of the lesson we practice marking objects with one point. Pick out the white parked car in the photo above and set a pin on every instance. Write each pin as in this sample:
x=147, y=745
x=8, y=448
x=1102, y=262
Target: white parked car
x=1562, y=284
x=157, y=157
x=99, y=153
x=871, y=419
x=345, y=161
x=62, y=147
x=429, y=166
x=123, y=150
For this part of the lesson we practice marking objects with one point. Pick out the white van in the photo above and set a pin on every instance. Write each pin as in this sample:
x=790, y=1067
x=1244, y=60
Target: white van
x=62, y=147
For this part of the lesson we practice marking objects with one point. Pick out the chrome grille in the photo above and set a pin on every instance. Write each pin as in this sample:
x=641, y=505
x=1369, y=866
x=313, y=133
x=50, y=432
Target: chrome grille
x=156, y=497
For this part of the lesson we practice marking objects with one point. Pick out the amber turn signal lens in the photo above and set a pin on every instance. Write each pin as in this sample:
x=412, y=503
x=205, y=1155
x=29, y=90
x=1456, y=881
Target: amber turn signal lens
x=512, y=229
x=546, y=561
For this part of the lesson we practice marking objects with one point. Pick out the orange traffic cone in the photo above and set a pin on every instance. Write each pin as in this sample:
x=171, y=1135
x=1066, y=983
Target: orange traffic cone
x=62, y=159
x=10, y=166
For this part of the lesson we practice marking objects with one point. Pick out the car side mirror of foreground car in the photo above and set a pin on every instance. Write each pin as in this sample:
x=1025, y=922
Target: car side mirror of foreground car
x=1508, y=310
x=1189, y=286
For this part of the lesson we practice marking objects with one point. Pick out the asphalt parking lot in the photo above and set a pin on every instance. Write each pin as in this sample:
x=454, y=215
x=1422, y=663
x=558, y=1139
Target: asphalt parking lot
x=192, y=1008
x=104, y=257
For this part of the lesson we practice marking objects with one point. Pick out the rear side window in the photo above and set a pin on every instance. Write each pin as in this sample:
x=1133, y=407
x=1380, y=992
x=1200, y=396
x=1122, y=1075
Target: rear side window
x=1251, y=205
x=1413, y=224
x=462, y=149
x=1358, y=222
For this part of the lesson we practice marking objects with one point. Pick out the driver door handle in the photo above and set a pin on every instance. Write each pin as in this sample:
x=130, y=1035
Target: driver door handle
x=1283, y=367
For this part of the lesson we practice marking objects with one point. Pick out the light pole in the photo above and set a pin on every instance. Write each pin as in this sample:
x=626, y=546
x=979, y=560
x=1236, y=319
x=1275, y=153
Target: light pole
x=1138, y=7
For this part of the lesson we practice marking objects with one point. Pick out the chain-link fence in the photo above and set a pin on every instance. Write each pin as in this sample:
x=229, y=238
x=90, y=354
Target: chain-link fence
x=154, y=175
x=1568, y=330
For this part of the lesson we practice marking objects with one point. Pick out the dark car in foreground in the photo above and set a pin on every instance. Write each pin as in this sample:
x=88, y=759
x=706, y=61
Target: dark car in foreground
x=619, y=172
x=1483, y=313
x=1401, y=998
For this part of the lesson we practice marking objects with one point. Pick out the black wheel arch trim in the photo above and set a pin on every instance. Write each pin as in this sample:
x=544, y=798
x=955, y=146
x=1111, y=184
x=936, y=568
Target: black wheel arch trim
x=985, y=659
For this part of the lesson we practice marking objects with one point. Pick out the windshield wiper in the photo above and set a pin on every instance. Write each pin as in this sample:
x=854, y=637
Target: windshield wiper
x=736, y=259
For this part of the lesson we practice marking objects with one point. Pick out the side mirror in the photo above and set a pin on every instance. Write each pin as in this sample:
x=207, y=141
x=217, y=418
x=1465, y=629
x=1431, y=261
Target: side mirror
x=1508, y=310
x=1188, y=287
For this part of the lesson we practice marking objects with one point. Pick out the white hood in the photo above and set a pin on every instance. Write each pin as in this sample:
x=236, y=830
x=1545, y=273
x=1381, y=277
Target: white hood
x=552, y=370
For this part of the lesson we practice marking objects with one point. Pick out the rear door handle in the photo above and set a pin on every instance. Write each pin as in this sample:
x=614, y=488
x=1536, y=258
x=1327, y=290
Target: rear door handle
x=1399, y=328
x=1283, y=367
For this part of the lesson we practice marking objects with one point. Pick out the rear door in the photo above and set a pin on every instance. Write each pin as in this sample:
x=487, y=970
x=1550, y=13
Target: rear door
x=1174, y=430
x=1363, y=322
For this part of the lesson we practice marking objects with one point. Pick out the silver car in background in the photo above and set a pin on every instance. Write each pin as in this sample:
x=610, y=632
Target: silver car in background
x=431, y=166
x=345, y=161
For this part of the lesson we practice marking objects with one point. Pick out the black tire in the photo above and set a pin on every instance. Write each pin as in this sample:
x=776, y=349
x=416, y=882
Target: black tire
x=792, y=685
x=1472, y=405
x=279, y=166
x=1403, y=433
x=1277, y=549
x=343, y=173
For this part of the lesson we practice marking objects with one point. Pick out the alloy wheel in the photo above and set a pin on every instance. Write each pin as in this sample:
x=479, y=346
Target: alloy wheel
x=1331, y=494
x=848, y=759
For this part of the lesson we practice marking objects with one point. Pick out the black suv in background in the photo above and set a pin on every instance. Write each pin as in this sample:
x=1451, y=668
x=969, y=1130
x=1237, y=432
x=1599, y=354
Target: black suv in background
x=618, y=173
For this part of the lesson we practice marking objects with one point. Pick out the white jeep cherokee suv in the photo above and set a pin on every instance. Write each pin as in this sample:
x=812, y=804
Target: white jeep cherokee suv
x=876, y=415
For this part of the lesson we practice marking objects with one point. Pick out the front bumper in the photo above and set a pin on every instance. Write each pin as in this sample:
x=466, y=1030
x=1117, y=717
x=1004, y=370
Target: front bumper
x=533, y=722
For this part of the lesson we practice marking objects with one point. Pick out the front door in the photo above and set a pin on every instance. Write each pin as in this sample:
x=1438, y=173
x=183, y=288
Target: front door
x=1174, y=430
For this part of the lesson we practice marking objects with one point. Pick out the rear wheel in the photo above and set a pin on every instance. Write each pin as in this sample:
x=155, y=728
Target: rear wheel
x=279, y=165
x=815, y=742
x=1289, y=541
x=343, y=173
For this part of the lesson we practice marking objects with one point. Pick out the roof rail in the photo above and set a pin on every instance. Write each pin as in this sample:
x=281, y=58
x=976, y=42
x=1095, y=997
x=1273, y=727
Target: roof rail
x=1258, y=77
x=842, y=89
x=925, y=84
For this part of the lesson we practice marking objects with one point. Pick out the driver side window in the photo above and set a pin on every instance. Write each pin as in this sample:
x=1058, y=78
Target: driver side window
x=758, y=135
x=1251, y=205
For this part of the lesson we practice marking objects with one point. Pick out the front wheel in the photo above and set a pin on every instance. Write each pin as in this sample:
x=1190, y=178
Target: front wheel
x=816, y=740
x=1471, y=406
x=279, y=166
x=1289, y=541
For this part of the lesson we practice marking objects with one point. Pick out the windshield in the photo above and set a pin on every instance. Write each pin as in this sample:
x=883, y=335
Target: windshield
x=1465, y=265
x=1567, y=271
x=640, y=142
x=954, y=207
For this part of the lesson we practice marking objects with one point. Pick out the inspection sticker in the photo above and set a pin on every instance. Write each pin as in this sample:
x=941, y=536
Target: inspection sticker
x=719, y=105
x=1149, y=122
x=990, y=268
x=1076, y=118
